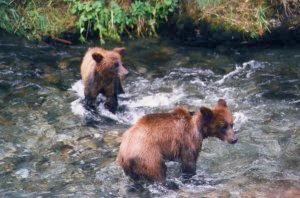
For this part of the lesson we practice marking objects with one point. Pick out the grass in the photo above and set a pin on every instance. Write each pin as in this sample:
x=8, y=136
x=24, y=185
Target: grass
x=248, y=17
x=10, y=18
x=34, y=19
x=207, y=3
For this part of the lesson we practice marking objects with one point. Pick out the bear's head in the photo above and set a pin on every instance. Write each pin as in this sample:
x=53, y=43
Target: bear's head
x=218, y=122
x=110, y=61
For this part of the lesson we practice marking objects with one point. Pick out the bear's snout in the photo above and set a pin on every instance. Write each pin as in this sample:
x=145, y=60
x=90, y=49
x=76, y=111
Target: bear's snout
x=231, y=137
x=122, y=71
x=233, y=141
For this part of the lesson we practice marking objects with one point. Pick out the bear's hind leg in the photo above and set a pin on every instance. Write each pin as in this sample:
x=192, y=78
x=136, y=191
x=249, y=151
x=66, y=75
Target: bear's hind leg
x=188, y=162
x=132, y=169
x=152, y=168
x=157, y=172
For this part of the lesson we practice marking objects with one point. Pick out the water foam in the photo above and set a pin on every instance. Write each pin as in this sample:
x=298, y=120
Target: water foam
x=158, y=99
x=76, y=106
x=247, y=67
x=78, y=88
x=163, y=94
x=239, y=119
x=237, y=70
x=135, y=105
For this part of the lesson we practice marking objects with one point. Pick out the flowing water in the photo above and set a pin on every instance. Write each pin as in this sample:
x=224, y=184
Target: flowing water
x=51, y=146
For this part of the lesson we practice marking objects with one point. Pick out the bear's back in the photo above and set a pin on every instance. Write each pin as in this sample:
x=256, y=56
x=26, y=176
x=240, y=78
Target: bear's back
x=163, y=130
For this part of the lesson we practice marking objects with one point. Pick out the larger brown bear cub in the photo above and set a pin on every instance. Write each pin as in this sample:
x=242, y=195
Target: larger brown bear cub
x=101, y=72
x=168, y=136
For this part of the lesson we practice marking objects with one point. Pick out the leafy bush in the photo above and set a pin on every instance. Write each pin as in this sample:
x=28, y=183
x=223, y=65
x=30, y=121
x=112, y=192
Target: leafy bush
x=111, y=20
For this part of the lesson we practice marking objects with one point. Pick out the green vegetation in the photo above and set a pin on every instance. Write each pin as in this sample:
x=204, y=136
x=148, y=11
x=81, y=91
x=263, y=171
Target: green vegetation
x=246, y=17
x=34, y=19
x=10, y=18
x=111, y=20
x=105, y=19
x=202, y=4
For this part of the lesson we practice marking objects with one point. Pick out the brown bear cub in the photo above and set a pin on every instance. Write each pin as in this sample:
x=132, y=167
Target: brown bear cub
x=101, y=72
x=169, y=136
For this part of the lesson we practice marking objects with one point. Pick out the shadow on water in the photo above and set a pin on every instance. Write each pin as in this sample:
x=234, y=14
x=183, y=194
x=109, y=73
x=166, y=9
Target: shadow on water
x=51, y=146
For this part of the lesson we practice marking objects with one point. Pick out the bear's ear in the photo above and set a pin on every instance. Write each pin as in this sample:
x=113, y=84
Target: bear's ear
x=207, y=114
x=97, y=57
x=222, y=103
x=119, y=50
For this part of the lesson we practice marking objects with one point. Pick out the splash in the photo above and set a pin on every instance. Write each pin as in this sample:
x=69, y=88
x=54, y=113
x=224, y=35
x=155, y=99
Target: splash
x=240, y=119
x=135, y=106
x=77, y=108
x=78, y=88
x=163, y=94
x=158, y=99
x=247, y=69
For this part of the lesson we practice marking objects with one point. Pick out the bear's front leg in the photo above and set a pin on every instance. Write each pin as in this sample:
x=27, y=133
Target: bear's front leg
x=91, y=91
x=111, y=103
x=188, y=161
x=89, y=100
x=118, y=86
x=111, y=92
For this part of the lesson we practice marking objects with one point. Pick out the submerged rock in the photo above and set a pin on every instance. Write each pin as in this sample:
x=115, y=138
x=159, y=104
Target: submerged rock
x=6, y=122
x=22, y=173
x=52, y=78
x=64, y=64
x=112, y=138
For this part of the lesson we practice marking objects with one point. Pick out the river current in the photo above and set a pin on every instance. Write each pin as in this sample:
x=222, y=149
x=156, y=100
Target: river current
x=51, y=146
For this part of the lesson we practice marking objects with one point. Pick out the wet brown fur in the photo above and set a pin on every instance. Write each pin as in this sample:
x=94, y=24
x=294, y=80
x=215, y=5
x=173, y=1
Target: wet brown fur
x=167, y=136
x=99, y=75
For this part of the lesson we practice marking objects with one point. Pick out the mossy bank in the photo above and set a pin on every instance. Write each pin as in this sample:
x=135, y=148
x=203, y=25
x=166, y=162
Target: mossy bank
x=194, y=22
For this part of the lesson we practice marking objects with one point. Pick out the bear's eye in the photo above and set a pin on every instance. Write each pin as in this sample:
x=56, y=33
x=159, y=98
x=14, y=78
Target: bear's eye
x=116, y=65
x=223, y=128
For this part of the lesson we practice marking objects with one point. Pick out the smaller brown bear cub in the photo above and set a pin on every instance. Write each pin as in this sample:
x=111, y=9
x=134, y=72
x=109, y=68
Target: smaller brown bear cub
x=169, y=136
x=101, y=72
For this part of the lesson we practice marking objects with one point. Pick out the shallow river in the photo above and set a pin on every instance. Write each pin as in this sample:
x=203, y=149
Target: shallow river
x=51, y=146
